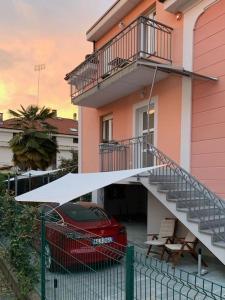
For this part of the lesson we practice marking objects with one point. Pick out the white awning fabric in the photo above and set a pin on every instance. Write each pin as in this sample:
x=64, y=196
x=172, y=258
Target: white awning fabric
x=72, y=186
x=38, y=173
x=32, y=173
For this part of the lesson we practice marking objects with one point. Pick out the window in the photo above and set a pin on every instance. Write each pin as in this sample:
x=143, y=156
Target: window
x=50, y=214
x=75, y=140
x=82, y=214
x=107, y=128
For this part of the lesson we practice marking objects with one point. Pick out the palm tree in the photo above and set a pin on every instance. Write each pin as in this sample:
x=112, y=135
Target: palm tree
x=34, y=147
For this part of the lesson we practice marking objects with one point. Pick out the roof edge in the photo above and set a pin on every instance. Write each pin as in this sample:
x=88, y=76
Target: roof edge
x=110, y=18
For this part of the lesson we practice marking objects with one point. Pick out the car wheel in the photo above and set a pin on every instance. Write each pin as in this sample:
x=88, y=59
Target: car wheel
x=49, y=263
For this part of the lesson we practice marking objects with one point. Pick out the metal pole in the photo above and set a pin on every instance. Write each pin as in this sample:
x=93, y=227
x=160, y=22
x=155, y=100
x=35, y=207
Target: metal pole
x=16, y=185
x=29, y=181
x=38, y=86
x=199, y=262
x=55, y=287
x=38, y=68
x=150, y=99
x=130, y=273
x=43, y=236
x=8, y=182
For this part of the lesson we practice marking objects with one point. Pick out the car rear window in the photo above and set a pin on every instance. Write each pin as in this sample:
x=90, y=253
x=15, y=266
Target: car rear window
x=80, y=213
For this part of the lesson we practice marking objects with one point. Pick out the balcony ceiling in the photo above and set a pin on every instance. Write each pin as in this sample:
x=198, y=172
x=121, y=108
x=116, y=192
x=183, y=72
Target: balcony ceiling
x=112, y=17
x=175, y=6
x=132, y=78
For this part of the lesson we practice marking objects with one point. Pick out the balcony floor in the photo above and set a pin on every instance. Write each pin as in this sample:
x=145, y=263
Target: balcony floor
x=119, y=84
x=129, y=79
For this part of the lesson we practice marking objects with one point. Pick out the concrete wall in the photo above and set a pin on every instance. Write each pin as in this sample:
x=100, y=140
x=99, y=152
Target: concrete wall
x=156, y=213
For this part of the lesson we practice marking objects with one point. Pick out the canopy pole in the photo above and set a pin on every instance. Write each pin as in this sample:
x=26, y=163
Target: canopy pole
x=150, y=100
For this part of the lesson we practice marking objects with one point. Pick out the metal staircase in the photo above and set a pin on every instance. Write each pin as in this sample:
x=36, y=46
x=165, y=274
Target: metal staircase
x=199, y=209
x=204, y=209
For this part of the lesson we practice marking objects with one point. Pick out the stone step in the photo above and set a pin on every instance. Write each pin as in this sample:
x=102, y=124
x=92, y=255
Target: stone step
x=207, y=225
x=196, y=202
x=184, y=194
x=219, y=244
x=174, y=186
x=163, y=178
x=219, y=239
x=205, y=212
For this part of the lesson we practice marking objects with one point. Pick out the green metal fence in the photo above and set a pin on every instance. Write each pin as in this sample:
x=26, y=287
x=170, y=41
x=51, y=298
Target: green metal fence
x=77, y=267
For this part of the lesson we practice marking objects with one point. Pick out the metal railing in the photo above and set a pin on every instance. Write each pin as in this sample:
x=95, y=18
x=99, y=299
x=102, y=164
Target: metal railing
x=143, y=38
x=200, y=203
x=105, y=272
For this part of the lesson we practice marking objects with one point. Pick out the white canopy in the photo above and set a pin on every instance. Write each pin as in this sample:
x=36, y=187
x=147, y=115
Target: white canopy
x=72, y=186
x=38, y=172
x=33, y=173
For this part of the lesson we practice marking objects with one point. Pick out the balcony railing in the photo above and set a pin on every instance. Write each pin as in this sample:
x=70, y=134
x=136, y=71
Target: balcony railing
x=144, y=38
x=126, y=154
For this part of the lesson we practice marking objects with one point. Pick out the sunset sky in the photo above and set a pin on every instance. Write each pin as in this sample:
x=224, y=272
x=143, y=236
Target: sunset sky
x=50, y=32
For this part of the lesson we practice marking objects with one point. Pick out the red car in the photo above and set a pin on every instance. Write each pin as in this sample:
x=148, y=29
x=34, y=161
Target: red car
x=81, y=233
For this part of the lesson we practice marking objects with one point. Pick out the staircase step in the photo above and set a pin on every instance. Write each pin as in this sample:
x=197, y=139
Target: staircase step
x=220, y=236
x=184, y=194
x=207, y=225
x=163, y=178
x=199, y=213
x=219, y=244
x=196, y=202
x=174, y=186
x=219, y=239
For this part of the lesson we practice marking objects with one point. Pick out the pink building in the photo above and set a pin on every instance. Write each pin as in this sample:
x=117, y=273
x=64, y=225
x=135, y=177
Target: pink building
x=153, y=92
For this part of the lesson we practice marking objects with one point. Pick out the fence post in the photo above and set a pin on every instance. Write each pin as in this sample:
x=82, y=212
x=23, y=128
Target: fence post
x=8, y=182
x=130, y=273
x=43, y=236
x=16, y=184
x=29, y=182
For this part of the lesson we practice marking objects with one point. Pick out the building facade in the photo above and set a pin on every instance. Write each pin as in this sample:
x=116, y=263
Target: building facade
x=66, y=138
x=153, y=92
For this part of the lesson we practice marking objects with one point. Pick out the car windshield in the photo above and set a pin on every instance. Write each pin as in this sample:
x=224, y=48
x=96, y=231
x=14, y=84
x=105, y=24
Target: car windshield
x=80, y=213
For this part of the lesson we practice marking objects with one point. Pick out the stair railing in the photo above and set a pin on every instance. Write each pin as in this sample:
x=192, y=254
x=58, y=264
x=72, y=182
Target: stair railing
x=194, y=190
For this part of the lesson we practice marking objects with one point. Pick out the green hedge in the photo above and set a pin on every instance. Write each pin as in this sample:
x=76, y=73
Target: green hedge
x=17, y=228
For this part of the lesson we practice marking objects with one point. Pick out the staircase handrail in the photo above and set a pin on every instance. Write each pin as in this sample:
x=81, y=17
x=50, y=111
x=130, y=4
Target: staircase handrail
x=193, y=181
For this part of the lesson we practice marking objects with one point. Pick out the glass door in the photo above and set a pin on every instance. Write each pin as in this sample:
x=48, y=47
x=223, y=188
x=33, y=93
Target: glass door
x=145, y=130
x=150, y=34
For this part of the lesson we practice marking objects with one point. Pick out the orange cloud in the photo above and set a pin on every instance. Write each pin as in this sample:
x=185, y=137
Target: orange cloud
x=50, y=33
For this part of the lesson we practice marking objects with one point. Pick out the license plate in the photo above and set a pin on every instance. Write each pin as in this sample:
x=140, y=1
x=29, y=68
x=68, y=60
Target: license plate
x=100, y=241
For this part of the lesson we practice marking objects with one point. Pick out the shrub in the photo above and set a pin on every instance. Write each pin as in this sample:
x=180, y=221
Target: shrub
x=18, y=227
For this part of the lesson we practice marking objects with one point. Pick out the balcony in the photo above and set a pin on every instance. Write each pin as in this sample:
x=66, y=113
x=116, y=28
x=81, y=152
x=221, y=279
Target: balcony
x=112, y=70
x=126, y=154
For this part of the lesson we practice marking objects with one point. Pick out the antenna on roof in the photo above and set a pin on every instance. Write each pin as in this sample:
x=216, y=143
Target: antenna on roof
x=38, y=68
